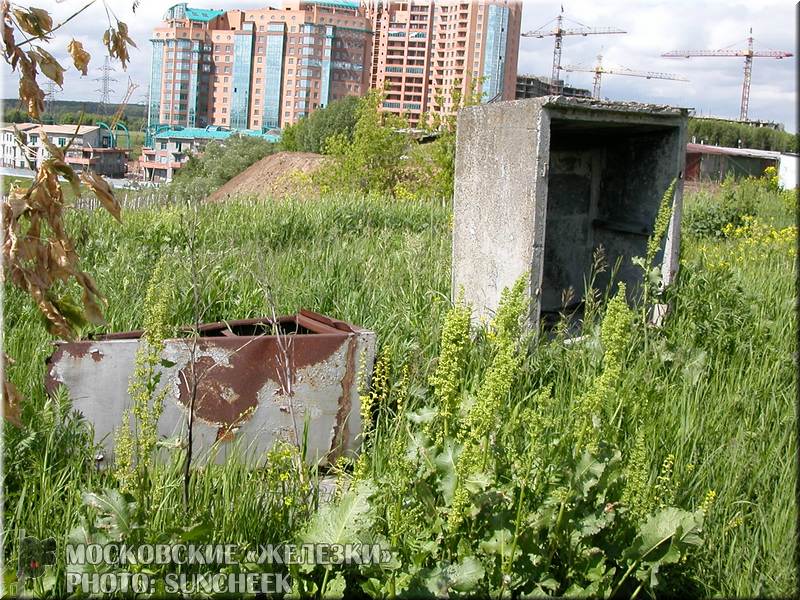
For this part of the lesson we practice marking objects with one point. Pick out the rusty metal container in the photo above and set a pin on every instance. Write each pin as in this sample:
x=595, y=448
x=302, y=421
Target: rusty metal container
x=254, y=384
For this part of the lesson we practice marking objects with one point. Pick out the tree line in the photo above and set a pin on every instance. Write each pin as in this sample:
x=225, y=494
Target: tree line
x=70, y=112
x=728, y=134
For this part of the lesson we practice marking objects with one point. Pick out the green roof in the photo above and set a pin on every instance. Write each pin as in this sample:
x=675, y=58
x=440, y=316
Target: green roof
x=202, y=14
x=212, y=133
x=350, y=4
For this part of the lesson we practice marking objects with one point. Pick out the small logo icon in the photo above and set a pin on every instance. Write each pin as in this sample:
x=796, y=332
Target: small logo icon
x=35, y=555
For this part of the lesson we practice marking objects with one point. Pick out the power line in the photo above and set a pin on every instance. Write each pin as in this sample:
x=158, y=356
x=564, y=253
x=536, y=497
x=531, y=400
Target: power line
x=105, y=80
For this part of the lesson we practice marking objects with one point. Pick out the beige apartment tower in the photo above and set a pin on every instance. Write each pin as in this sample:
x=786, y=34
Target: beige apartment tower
x=256, y=69
x=422, y=51
x=266, y=68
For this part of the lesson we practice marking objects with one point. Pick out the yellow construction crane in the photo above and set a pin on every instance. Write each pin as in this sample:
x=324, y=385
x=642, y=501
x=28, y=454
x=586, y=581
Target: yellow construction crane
x=558, y=32
x=599, y=70
x=748, y=53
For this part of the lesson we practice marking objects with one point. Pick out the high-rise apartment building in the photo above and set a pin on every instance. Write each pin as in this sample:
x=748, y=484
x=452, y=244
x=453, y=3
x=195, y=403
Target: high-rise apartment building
x=266, y=68
x=422, y=51
x=256, y=69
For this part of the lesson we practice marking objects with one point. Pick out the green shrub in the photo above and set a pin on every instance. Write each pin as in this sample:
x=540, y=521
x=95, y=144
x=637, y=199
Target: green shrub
x=372, y=160
x=312, y=133
x=218, y=163
x=706, y=214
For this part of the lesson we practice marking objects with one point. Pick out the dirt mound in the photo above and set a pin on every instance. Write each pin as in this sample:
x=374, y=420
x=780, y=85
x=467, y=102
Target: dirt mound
x=274, y=176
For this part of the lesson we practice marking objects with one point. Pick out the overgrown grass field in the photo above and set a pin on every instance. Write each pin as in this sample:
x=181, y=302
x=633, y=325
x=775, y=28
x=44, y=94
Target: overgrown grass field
x=493, y=462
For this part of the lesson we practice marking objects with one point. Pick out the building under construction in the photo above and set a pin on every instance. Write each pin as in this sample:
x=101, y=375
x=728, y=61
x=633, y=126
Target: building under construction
x=535, y=86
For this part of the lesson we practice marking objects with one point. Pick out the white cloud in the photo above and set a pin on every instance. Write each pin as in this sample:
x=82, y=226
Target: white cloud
x=654, y=26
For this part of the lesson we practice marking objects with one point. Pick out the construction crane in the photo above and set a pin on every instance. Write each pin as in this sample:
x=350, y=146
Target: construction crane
x=558, y=32
x=599, y=70
x=748, y=54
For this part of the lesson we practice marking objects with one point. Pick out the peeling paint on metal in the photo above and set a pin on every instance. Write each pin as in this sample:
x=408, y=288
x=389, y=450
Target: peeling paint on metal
x=239, y=394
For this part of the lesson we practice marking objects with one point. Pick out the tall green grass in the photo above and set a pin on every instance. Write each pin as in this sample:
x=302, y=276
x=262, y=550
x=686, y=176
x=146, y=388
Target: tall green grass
x=719, y=380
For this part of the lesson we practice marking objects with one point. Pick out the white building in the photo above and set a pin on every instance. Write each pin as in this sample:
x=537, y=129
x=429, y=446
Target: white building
x=87, y=147
x=11, y=153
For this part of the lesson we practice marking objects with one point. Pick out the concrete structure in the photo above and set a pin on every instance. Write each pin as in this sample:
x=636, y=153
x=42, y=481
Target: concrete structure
x=541, y=184
x=705, y=162
x=787, y=172
x=90, y=147
x=253, y=387
x=424, y=50
x=172, y=148
x=535, y=86
x=256, y=69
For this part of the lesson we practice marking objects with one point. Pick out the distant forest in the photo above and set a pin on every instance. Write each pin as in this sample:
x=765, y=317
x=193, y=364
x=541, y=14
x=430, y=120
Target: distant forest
x=727, y=133
x=69, y=112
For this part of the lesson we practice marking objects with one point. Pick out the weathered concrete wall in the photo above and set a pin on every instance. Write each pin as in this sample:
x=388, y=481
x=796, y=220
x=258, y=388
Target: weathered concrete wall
x=541, y=184
x=499, y=172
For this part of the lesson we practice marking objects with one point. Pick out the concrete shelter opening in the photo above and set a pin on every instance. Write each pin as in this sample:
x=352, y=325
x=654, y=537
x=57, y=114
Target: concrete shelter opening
x=542, y=184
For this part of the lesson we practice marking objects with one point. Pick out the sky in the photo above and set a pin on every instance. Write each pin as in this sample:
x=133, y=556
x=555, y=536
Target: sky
x=653, y=26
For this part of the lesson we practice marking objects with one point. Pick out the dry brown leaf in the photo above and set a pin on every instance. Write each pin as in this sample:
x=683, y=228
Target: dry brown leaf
x=35, y=21
x=117, y=42
x=69, y=174
x=55, y=151
x=103, y=192
x=80, y=57
x=123, y=31
x=12, y=401
x=92, y=310
x=17, y=200
x=32, y=95
x=9, y=44
x=49, y=66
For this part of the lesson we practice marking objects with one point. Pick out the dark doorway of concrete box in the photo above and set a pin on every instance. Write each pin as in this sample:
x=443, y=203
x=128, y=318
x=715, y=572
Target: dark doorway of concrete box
x=604, y=187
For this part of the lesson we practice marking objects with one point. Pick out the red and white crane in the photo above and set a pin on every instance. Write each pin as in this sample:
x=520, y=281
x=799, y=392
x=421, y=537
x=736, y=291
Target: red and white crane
x=599, y=70
x=748, y=54
x=558, y=32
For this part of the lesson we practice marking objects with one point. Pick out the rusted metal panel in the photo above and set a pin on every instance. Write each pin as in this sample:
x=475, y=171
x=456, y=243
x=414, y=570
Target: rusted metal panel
x=250, y=385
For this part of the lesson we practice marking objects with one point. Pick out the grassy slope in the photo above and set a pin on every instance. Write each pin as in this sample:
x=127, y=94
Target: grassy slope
x=720, y=379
